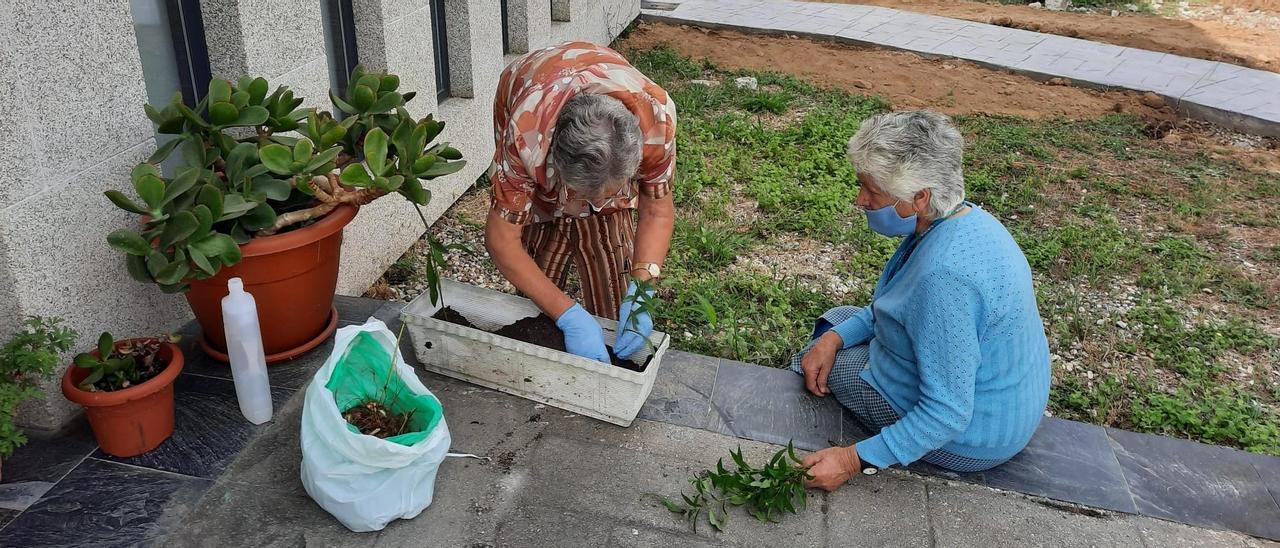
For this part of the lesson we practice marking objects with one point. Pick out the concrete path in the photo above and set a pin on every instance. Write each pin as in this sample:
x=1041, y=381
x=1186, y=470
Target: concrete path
x=1236, y=97
x=558, y=479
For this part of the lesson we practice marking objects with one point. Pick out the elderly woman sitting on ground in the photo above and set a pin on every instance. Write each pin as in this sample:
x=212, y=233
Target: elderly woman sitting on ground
x=949, y=363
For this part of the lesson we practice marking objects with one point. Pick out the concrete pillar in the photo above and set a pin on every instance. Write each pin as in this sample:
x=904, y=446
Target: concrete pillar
x=71, y=126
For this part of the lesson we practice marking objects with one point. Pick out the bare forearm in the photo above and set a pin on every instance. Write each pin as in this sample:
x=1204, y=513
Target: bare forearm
x=653, y=231
x=502, y=239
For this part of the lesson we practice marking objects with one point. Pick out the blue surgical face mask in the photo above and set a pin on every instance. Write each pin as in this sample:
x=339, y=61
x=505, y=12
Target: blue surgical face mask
x=887, y=221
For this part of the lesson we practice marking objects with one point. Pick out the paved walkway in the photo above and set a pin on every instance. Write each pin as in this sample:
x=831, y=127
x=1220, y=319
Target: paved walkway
x=1237, y=97
x=562, y=480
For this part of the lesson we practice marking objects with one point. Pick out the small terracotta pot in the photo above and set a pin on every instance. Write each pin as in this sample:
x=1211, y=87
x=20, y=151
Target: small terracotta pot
x=292, y=277
x=134, y=420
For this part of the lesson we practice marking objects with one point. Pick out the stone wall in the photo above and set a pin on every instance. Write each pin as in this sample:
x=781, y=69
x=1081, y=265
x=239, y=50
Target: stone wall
x=72, y=126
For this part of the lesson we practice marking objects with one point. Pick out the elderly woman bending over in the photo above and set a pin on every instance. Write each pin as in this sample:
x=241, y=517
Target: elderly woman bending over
x=949, y=363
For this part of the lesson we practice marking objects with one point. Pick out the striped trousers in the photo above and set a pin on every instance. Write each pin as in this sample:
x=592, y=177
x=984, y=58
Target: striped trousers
x=598, y=246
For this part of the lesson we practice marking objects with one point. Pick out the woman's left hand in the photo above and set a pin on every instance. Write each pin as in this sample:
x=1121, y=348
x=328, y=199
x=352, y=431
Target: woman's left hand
x=831, y=467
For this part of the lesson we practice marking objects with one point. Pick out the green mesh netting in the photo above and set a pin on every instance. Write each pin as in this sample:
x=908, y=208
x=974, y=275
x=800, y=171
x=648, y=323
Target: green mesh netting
x=361, y=375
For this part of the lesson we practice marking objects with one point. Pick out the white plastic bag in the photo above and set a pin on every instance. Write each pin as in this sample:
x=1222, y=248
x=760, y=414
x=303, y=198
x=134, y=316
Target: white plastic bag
x=363, y=481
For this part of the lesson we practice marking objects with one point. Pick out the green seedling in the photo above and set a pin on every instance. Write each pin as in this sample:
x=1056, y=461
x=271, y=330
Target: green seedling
x=766, y=492
x=116, y=367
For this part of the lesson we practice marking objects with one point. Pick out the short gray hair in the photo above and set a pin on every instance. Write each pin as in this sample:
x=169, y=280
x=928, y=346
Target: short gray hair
x=906, y=152
x=596, y=140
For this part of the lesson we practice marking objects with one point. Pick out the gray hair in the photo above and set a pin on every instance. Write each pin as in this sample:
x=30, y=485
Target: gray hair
x=906, y=152
x=596, y=140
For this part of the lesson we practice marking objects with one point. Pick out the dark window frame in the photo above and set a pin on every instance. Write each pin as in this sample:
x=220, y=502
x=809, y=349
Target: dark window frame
x=440, y=49
x=506, y=38
x=191, y=52
x=345, y=56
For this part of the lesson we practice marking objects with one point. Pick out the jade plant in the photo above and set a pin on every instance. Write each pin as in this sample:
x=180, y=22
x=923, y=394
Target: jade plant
x=256, y=164
x=32, y=353
x=119, y=366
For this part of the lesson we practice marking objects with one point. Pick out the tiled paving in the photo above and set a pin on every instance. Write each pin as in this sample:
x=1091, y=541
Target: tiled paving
x=1237, y=97
x=59, y=490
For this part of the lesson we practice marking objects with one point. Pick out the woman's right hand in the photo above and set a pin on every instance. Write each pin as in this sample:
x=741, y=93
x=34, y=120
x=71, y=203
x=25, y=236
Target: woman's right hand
x=817, y=363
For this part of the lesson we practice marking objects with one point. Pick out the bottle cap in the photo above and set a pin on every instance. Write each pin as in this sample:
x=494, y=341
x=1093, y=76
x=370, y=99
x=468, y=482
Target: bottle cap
x=235, y=284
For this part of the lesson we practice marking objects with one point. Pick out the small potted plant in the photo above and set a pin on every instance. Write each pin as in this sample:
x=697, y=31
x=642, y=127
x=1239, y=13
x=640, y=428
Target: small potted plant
x=30, y=354
x=263, y=193
x=126, y=389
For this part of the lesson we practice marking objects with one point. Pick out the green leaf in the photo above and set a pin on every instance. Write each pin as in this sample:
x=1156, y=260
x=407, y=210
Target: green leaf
x=219, y=90
x=105, y=346
x=85, y=361
x=118, y=198
x=714, y=519
x=323, y=158
x=223, y=113
x=211, y=198
x=440, y=169
x=240, y=99
x=163, y=151
x=251, y=116
x=259, y=218
x=362, y=97
x=129, y=242
x=671, y=505
x=275, y=189
x=181, y=184
x=303, y=150
x=386, y=102
x=151, y=189
x=371, y=81
x=421, y=165
x=137, y=267
x=433, y=127
x=156, y=262
x=277, y=158
x=201, y=261
x=257, y=90
x=173, y=273
x=342, y=105
x=153, y=114
x=191, y=116
x=389, y=83
x=412, y=189
x=179, y=227
x=450, y=153
x=172, y=126
x=356, y=175
x=94, y=376
x=233, y=206
x=375, y=151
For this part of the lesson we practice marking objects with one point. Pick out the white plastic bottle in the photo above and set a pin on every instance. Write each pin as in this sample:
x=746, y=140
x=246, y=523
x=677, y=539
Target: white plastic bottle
x=244, y=347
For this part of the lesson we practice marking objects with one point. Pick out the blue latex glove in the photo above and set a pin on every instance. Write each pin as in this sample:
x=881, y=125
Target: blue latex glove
x=632, y=338
x=582, y=335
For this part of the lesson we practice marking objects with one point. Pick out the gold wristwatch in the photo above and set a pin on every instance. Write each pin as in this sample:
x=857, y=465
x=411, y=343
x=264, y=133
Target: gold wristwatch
x=652, y=268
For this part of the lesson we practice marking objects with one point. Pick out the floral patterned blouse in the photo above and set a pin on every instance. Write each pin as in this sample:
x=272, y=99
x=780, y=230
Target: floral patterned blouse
x=530, y=94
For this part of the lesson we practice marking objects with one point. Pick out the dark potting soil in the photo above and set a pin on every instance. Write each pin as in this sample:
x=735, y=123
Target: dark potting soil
x=540, y=330
x=374, y=419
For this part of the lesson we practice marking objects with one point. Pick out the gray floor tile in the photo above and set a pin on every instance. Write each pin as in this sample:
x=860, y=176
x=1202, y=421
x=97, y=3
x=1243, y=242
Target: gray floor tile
x=772, y=405
x=682, y=391
x=209, y=430
x=1195, y=483
x=48, y=456
x=104, y=504
x=1067, y=460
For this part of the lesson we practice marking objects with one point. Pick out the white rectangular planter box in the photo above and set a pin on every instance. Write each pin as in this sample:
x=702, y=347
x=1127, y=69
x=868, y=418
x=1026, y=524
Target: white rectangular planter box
x=570, y=382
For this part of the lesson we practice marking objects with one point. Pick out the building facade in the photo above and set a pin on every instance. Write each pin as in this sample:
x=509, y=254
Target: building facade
x=74, y=77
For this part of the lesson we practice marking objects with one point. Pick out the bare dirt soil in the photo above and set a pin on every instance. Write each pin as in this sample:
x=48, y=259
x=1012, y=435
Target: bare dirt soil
x=907, y=80
x=1245, y=32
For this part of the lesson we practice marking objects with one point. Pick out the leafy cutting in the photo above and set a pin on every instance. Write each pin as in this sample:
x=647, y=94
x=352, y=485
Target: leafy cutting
x=764, y=492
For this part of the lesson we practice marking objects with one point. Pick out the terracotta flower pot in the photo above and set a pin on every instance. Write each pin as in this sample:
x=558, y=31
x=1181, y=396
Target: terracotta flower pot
x=134, y=420
x=292, y=277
